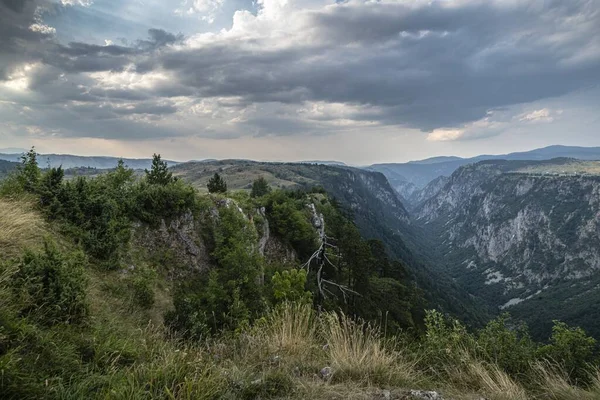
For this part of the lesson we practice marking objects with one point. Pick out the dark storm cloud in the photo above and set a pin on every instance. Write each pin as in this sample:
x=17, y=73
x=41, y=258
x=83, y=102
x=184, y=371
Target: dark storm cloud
x=427, y=66
x=420, y=64
x=18, y=43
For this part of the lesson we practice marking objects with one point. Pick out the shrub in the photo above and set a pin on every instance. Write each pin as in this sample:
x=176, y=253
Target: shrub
x=572, y=349
x=289, y=286
x=52, y=286
x=511, y=348
x=291, y=222
x=151, y=202
x=142, y=287
x=446, y=341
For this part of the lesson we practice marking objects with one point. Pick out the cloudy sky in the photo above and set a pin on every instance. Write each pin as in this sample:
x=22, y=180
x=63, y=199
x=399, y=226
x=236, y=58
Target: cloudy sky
x=357, y=81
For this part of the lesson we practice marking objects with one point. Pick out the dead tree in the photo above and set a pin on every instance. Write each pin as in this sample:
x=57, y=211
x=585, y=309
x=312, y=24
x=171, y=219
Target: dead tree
x=320, y=259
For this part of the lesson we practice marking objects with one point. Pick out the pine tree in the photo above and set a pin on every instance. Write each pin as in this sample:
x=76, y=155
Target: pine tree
x=159, y=173
x=29, y=171
x=260, y=187
x=216, y=184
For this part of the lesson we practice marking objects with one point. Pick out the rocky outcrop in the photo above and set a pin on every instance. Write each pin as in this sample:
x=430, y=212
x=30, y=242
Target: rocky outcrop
x=178, y=239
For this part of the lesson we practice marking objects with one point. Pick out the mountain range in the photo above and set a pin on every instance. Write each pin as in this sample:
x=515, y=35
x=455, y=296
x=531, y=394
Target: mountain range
x=407, y=178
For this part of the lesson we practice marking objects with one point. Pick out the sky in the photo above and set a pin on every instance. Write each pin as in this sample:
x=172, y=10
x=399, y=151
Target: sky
x=282, y=80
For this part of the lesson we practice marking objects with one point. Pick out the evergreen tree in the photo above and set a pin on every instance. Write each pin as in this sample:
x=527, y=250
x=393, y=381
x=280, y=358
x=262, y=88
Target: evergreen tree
x=159, y=174
x=49, y=189
x=260, y=187
x=29, y=171
x=216, y=184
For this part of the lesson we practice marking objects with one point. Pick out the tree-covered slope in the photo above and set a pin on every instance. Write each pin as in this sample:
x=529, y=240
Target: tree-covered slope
x=6, y=167
x=374, y=207
x=74, y=161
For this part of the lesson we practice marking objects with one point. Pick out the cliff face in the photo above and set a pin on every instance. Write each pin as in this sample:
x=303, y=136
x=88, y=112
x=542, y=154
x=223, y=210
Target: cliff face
x=519, y=240
x=429, y=191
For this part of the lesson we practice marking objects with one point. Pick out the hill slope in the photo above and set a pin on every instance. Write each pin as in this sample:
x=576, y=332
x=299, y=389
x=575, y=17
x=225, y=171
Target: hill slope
x=140, y=288
x=6, y=167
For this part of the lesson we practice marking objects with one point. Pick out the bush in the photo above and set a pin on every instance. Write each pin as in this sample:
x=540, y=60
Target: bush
x=52, y=286
x=572, y=349
x=446, y=341
x=291, y=222
x=289, y=286
x=511, y=348
x=151, y=202
x=96, y=214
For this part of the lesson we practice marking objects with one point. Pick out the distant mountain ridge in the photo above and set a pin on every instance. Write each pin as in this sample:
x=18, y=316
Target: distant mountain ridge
x=406, y=178
x=74, y=161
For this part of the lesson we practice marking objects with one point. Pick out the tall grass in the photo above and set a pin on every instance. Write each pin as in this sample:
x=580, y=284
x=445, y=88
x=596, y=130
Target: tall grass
x=495, y=383
x=291, y=329
x=554, y=384
x=20, y=227
x=357, y=351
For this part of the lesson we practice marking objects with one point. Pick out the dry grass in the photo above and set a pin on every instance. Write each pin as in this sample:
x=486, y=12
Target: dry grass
x=291, y=330
x=20, y=227
x=495, y=383
x=357, y=352
x=554, y=384
x=473, y=375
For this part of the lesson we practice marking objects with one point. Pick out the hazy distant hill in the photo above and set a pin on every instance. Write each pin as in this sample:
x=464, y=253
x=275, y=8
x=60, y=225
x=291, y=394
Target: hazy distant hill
x=72, y=161
x=12, y=150
x=406, y=178
x=6, y=167
x=323, y=162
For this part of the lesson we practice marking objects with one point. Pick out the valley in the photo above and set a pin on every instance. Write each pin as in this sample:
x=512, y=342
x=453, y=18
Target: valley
x=524, y=236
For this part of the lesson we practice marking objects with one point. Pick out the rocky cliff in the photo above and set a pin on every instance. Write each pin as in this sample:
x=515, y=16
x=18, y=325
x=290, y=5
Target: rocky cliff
x=523, y=241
